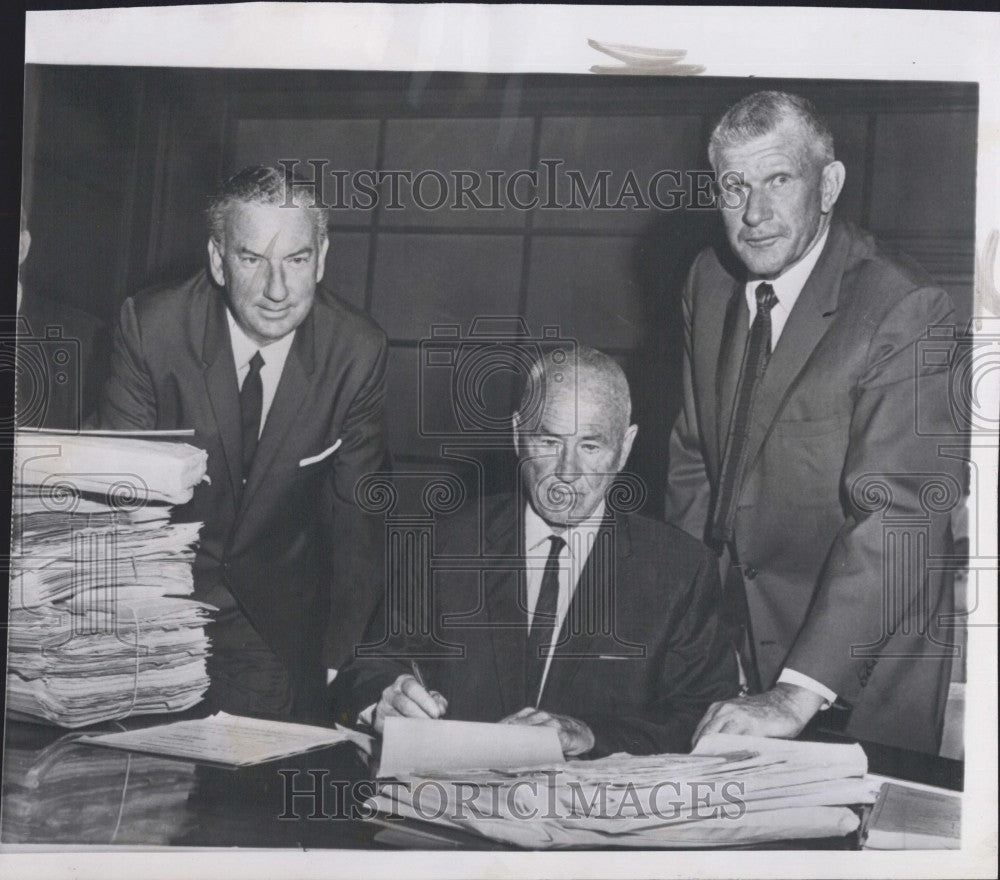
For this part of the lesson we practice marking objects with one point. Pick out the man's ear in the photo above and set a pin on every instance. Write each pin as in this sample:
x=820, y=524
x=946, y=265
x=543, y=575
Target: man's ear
x=23, y=246
x=321, y=261
x=627, y=442
x=831, y=184
x=215, y=262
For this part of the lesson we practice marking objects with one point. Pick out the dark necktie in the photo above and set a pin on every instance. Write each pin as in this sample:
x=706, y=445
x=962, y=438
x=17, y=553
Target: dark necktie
x=251, y=404
x=543, y=623
x=755, y=359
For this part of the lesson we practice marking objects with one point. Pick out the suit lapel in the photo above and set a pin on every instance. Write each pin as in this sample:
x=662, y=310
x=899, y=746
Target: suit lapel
x=221, y=387
x=505, y=599
x=807, y=323
x=708, y=346
x=735, y=333
x=288, y=398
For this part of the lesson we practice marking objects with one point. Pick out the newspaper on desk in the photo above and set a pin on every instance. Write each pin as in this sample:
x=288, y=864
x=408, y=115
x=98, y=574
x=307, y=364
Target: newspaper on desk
x=731, y=790
x=102, y=625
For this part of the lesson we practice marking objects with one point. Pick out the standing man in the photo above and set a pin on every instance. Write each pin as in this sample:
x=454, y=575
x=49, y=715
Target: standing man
x=797, y=445
x=563, y=613
x=284, y=386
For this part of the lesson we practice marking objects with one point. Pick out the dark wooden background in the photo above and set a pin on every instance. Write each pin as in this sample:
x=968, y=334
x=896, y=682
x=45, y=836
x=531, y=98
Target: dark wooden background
x=119, y=163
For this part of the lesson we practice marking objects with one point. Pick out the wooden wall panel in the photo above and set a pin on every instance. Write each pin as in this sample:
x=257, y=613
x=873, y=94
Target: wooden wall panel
x=587, y=288
x=923, y=164
x=424, y=280
x=443, y=147
x=643, y=145
x=122, y=162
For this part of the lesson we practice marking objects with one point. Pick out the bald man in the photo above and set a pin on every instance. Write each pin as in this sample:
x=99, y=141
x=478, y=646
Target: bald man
x=598, y=623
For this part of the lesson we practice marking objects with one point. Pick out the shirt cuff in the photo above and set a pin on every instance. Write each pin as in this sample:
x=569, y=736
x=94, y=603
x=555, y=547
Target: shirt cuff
x=790, y=676
x=331, y=674
x=367, y=715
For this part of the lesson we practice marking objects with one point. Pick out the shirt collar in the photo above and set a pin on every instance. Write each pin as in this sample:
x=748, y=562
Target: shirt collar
x=537, y=531
x=244, y=348
x=789, y=284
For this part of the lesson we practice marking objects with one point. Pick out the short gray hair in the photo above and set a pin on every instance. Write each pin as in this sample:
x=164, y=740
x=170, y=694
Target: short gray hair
x=263, y=185
x=584, y=365
x=761, y=113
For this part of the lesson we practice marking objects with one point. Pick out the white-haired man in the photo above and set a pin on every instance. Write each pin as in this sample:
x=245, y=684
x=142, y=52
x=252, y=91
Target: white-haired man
x=564, y=612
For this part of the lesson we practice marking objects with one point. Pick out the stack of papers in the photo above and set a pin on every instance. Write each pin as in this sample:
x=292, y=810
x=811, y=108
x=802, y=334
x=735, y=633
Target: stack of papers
x=101, y=623
x=70, y=793
x=732, y=790
x=139, y=470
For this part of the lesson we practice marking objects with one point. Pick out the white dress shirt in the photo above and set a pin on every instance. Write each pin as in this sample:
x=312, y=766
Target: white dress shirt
x=787, y=288
x=573, y=557
x=274, y=354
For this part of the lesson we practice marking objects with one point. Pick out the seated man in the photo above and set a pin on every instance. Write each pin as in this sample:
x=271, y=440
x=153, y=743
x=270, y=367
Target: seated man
x=599, y=624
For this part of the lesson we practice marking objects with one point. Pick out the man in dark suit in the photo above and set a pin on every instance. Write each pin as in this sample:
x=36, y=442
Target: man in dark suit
x=284, y=386
x=797, y=452
x=61, y=351
x=554, y=609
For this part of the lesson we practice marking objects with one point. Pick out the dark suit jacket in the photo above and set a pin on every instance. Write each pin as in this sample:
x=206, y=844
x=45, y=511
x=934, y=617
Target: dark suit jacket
x=300, y=559
x=62, y=354
x=640, y=657
x=844, y=494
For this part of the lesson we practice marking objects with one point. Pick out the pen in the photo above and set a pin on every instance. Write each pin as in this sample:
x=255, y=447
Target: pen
x=417, y=674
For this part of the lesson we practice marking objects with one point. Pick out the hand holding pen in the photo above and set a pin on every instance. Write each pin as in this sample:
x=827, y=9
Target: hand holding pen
x=409, y=697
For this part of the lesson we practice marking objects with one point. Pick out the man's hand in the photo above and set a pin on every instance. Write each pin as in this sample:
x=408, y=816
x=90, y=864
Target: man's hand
x=575, y=737
x=408, y=698
x=781, y=712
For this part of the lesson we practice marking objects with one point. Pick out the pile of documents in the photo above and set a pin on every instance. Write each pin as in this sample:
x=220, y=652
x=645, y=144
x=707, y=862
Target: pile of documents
x=70, y=793
x=732, y=790
x=101, y=626
x=150, y=470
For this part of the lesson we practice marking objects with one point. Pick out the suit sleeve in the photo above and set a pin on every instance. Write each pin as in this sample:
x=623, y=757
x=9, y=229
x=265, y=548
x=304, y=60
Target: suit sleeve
x=688, y=492
x=128, y=401
x=358, y=535
x=359, y=684
x=891, y=464
x=692, y=666
x=94, y=357
x=392, y=633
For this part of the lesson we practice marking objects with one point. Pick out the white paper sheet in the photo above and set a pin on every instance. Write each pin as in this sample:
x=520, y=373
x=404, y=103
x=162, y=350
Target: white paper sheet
x=229, y=739
x=415, y=746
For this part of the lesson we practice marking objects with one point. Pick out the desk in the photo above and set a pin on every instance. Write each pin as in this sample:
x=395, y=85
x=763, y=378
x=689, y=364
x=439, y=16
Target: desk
x=59, y=792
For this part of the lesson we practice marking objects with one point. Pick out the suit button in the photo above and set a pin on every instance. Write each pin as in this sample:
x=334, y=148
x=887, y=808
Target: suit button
x=227, y=566
x=749, y=572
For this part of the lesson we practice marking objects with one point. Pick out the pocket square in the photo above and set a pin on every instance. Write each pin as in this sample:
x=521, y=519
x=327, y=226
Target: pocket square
x=314, y=459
